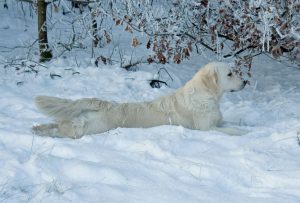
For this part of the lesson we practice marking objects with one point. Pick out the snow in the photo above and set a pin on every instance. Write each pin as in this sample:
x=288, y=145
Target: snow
x=160, y=164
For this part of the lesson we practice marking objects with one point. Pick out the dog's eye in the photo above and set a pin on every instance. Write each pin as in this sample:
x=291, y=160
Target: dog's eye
x=229, y=74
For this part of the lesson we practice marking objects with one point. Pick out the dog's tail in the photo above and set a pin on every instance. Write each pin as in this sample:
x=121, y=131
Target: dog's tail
x=66, y=109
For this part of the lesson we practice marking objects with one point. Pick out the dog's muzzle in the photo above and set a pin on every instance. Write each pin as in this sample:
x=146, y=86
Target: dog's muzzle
x=245, y=82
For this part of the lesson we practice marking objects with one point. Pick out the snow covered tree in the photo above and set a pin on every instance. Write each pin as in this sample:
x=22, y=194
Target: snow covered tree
x=236, y=30
x=45, y=52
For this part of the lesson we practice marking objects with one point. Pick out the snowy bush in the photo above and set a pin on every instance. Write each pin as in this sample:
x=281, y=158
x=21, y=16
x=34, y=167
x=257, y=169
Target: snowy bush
x=230, y=28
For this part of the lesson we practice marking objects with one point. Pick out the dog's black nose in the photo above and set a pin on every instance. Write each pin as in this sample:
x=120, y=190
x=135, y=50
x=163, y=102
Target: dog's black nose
x=245, y=82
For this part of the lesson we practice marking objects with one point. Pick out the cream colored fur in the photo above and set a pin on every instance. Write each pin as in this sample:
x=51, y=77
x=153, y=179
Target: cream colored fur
x=194, y=106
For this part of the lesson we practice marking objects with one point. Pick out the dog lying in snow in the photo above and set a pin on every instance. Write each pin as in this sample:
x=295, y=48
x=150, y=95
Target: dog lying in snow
x=194, y=106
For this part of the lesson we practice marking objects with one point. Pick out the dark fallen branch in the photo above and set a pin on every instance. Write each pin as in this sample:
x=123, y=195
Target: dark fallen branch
x=53, y=75
x=157, y=83
x=130, y=65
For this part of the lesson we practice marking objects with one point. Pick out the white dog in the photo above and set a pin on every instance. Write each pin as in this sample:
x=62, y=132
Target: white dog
x=194, y=106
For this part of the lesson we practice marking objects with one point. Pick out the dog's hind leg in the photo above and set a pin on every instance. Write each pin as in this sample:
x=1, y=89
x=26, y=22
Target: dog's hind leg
x=46, y=130
x=63, y=129
x=72, y=129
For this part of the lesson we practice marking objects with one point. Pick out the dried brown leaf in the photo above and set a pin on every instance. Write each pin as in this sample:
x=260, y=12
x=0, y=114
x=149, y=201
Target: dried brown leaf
x=283, y=27
x=161, y=58
x=185, y=52
x=276, y=52
x=150, y=60
x=176, y=58
x=118, y=21
x=128, y=29
x=107, y=37
x=204, y=3
x=128, y=18
x=135, y=42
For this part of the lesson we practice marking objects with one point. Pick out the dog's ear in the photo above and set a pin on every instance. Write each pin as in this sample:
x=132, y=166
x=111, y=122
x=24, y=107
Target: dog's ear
x=209, y=79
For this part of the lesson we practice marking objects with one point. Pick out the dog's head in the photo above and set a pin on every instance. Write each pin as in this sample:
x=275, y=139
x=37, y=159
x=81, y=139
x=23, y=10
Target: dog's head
x=218, y=78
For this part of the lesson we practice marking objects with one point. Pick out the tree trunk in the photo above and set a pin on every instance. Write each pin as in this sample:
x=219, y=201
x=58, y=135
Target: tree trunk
x=45, y=52
x=94, y=28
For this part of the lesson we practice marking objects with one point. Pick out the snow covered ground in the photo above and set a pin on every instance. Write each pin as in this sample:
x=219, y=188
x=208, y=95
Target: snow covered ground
x=160, y=164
